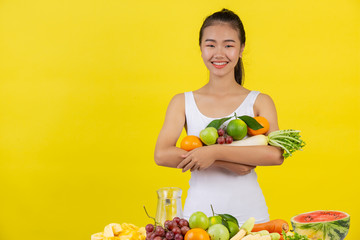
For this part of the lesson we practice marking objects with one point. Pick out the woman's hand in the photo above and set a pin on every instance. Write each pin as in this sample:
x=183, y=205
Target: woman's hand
x=197, y=159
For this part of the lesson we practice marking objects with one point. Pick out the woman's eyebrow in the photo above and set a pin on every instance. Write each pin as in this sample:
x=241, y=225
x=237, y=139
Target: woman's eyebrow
x=212, y=40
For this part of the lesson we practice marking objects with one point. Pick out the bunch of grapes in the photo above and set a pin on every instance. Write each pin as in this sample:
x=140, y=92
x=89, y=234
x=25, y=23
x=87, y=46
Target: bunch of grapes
x=175, y=229
x=223, y=137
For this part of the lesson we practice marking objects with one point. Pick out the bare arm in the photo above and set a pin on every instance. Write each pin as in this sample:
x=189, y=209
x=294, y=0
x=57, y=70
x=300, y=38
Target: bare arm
x=202, y=158
x=166, y=152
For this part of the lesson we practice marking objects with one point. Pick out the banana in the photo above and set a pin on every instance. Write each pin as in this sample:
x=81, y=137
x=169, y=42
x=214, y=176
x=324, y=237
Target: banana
x=124, y=231
x=97, y=236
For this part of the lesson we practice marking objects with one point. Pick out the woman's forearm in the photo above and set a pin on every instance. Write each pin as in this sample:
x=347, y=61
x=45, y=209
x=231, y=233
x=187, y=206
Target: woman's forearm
x=169, y=157
x=249, y=155
x=237, y=168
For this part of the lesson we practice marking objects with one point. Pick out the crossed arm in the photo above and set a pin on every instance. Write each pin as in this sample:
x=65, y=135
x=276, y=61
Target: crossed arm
x=240, y=160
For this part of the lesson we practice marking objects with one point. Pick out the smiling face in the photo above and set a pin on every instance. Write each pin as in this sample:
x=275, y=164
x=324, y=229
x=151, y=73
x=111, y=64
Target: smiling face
x=221, y=49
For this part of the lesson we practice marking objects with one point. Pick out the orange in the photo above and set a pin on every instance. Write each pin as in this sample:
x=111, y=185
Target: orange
x=263, y=122
x=190, y=142
x=196, y=234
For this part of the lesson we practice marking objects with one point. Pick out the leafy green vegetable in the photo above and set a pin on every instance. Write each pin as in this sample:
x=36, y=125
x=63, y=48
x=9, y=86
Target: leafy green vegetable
x=289, y=140
x=251, y=122
x=295, y=237
x=218, y=122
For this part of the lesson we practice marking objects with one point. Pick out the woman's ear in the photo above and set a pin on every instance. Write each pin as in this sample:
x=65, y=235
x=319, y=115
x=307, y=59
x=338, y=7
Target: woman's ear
x=241, y=49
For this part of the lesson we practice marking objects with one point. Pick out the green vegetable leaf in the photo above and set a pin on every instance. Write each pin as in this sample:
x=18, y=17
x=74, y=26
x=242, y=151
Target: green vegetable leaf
x=289, y=140
x=224, y=222
x=230, y=218
x=218, y=122
x=251, y=122
x=295, y=237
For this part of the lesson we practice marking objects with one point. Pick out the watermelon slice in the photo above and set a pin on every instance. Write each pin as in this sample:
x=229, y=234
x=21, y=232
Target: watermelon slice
x=324, y=225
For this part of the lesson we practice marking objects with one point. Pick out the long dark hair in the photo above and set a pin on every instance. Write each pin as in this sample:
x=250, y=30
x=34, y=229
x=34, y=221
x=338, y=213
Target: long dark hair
x=227, y=16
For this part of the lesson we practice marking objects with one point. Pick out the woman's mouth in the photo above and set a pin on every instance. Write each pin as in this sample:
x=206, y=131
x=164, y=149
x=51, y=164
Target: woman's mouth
x=219, y=64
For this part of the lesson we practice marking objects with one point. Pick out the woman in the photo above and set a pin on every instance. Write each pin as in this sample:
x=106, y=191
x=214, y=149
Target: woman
x=220, y=175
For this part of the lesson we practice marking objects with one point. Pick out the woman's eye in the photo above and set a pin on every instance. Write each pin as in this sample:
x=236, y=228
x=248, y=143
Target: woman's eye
x=210, y=45
x=228, y=46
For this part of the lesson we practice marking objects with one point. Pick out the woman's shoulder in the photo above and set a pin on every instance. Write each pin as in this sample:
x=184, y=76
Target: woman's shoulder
x=179, y=97
x=263, y=98
x=177, y=101
x=263, y=102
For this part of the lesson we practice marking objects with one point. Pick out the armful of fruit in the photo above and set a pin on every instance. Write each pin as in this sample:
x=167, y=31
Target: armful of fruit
x=233, y=135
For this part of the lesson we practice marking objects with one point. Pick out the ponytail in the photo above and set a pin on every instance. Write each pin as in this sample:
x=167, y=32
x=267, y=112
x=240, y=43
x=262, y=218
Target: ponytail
x=239, y=72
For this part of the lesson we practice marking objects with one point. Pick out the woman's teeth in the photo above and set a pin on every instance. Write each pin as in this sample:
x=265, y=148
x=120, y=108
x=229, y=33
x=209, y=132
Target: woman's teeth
x=219, y=63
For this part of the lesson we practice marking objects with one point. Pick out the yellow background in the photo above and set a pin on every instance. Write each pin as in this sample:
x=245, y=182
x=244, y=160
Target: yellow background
x=84, y=87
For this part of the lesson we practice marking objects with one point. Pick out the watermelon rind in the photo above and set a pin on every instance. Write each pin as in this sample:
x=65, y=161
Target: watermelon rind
x=324, y=230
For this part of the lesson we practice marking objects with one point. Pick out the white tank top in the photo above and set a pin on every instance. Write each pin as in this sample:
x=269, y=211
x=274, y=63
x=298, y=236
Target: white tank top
x=238, y=195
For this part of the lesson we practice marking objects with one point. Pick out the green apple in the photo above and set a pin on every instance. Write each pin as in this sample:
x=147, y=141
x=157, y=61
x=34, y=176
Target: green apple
x=218, y=232
x=199, y=220
x=214, y=220
x=209, y=135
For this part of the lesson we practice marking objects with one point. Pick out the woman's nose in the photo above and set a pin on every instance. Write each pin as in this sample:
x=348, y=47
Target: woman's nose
x=219, y=53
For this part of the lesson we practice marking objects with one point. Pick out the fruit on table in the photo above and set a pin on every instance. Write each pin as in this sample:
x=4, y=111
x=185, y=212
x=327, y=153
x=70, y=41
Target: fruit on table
x=263, y=122
x=218, y=232
x=199, y=220
x=244, y=229
x=173, y=229
x=209, y=135
x=214, y=220
x=233, y=228
x=116, y=231
x=237, y=129
x=325, y=225
x=190, y=142
x=197, y=234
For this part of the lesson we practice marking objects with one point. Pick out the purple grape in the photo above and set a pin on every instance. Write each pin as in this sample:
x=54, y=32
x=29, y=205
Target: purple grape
x=220, y=140
x=179, y=236
x=159, y=231
x=176, y=230
x=186, y=223
x=229, y=139
x=172, y=225
x=182, y=223
x=158, y=238
x=221, y=132
x=170, y=235
x=150, y=235
x=149, y=228
x=169, y=225
x=166, y=224
x=176, y=219
x=184, y=230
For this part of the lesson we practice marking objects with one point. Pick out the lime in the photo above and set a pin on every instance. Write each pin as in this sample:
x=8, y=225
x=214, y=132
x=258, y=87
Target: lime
x=209, y=135
x=233, y=228
x=214, y=220
x=237, y=128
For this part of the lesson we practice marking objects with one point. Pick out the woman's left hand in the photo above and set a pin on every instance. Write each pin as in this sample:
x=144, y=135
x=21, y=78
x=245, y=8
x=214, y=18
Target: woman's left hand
x=197, y=159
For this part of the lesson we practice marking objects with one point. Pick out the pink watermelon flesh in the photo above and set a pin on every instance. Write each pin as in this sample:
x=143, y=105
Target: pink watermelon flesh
x=320, y=216
x=323, y=224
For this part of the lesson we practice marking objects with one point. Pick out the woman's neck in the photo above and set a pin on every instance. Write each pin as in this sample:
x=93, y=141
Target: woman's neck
x=222, y=85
